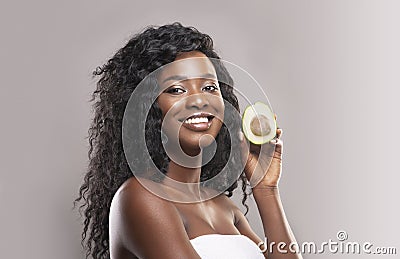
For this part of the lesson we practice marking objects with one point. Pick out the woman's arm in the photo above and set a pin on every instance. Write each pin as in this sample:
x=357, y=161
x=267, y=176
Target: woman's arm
x=146, y=225
x=263, y=169
x=275, y=224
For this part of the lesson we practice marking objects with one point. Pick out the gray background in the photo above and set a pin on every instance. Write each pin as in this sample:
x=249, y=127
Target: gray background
x=330, y=69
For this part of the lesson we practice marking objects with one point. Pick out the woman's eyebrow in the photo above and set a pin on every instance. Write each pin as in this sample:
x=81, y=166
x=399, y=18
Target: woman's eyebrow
x=182, y=77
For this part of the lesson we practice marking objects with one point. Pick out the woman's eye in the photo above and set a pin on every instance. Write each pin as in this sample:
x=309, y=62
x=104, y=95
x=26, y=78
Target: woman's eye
x=210, y=88
x=175, y=90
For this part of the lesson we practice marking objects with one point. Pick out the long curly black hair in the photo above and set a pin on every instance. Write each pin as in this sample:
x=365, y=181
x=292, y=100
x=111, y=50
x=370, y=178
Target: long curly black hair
x=108, y=165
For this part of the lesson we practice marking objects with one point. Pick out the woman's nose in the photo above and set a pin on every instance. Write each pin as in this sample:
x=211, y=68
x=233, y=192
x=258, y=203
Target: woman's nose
x=197, y=101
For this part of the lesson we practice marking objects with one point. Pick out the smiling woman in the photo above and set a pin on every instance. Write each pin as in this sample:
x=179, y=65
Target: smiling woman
x=187, y=90
x=185, y=106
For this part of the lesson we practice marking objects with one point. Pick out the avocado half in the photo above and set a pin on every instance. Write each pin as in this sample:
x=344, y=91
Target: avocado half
x=258, y=123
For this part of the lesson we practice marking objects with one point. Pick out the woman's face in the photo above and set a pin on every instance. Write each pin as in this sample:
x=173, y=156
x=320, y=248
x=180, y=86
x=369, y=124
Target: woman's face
x=191, y=101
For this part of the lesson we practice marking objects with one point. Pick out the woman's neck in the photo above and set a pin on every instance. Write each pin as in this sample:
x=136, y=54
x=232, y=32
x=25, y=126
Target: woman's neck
x=184, y=174
x=184, y=177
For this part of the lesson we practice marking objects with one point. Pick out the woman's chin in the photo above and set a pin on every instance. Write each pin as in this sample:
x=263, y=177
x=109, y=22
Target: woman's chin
x=206, y=140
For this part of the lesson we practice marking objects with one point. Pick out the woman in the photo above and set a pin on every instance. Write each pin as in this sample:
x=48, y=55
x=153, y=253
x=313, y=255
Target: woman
x=151, y=204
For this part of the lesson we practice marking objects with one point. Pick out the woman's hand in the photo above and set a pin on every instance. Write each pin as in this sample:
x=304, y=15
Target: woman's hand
x=263, y=163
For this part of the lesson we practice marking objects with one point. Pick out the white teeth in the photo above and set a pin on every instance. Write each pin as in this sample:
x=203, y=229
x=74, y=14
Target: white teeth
x=197, y=120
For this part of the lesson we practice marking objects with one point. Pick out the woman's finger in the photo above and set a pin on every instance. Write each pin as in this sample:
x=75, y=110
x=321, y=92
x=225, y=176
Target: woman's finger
x=279, y=132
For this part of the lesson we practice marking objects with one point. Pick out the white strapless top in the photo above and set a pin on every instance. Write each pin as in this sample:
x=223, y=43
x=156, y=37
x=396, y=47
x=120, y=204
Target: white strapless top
x=217, y=246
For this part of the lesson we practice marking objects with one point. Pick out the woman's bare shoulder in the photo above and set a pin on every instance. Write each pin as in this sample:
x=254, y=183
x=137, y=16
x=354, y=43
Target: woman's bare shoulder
x=133, y=200
x=140, y=221
x=134, y=186
x=226, y=202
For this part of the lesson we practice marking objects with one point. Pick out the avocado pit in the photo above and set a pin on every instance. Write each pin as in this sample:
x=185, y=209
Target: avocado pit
x=260, y=125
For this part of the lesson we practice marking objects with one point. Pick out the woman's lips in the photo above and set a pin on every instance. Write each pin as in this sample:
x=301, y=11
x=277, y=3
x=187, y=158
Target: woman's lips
x=198, y=122
x=200, y=126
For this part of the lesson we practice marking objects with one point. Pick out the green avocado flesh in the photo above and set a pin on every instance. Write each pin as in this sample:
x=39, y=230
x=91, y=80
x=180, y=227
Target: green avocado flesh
x=258, y=123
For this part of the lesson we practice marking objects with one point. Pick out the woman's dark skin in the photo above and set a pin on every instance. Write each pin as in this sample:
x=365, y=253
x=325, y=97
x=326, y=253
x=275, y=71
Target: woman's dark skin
x=147, y=226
